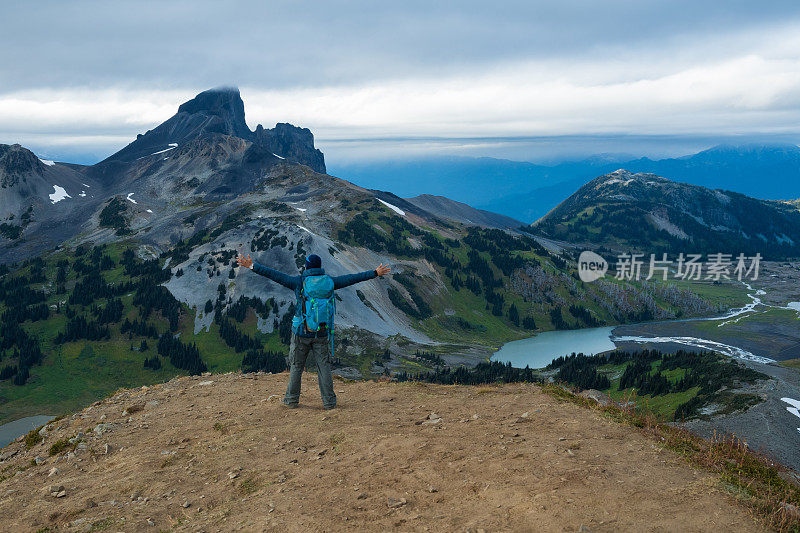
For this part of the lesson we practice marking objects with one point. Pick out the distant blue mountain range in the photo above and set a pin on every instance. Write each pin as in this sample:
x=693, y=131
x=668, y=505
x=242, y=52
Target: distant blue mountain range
x=527, y=191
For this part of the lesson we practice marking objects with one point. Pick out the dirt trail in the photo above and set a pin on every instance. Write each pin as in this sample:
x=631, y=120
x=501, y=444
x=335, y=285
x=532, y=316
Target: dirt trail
x=217, y=453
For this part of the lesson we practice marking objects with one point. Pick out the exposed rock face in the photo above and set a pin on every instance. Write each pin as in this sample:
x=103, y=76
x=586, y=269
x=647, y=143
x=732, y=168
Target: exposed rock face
x=224, y=110
x=293, y=143
x=33, y=192
x=217, y=111
x=16, y=163
x=213, y=111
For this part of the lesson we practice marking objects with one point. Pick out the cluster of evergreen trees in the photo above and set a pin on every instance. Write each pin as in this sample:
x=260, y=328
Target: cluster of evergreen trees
x=263, y=361
x=256, y=358
x=431, y=357
x=645, y=371
x=233, y=337
x=584, y=315
x=359, y=231
x=181, y=355
x=557, y=319
x=422, y=310
x=110, y=313
x=153, y=363
x=79, y=328
x=638, y=375
x=138, y=327
x=238, y=310
x=268, y=238
x=484, y=372
x=22, y=303
x=113, y=216
x=504, y=253
x=581, y=370
x=26, y=351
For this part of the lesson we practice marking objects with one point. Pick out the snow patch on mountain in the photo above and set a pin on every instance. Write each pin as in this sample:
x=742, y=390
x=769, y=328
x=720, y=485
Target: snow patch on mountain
x=393, y=207
x=172, y=146
x=794, y=407
x=59, y=193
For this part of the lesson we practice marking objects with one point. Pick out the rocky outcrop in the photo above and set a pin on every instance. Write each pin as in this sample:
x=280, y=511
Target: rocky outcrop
x=292, y=143
x=33, y=191
x=223, y=109
x=217, y=111
x=16, y=164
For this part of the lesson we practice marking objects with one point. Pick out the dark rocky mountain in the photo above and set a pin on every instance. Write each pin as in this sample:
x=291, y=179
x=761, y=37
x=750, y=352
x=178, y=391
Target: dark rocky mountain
x=17, y=164
x=34, y=192
x=653, y=214
x=204, y=152
x=220, y=111
x=292, y=143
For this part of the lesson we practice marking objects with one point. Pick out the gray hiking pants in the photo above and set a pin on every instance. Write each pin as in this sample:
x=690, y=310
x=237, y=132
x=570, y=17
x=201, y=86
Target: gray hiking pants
x=298, y=353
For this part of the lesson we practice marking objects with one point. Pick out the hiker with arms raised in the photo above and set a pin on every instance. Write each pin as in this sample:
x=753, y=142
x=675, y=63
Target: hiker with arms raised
x=312, y=325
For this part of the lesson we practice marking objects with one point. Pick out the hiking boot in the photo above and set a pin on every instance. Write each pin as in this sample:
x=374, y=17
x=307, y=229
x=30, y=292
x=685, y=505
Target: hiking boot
x=291, y=405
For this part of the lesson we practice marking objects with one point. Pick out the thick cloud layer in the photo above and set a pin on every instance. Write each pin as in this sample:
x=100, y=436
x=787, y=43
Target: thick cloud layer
x=88, y=76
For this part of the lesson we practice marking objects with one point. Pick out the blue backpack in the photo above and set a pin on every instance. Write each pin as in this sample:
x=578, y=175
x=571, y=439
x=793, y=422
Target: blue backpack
x=318, y=306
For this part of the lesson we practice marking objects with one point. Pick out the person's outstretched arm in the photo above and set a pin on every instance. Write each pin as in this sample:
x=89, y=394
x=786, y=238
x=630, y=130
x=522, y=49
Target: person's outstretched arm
x=339, y=282
x=290, y=282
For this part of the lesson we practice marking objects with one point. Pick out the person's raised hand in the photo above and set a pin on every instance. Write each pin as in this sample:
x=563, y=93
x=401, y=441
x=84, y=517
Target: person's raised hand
x=382, y=270
x=245, y=261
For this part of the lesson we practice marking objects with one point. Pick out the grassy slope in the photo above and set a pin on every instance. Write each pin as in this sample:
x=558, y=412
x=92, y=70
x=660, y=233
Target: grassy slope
x=68, y=380
x=494, y=331
x=791, y=363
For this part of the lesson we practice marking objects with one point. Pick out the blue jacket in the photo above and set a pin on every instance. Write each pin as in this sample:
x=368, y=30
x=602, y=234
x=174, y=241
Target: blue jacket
x=295, y=283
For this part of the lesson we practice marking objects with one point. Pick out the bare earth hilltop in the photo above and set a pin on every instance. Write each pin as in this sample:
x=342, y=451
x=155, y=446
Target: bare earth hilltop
x=220, y=453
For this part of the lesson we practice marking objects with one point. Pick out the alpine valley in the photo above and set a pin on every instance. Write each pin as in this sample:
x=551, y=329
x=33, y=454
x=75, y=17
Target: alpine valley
x=122, y=273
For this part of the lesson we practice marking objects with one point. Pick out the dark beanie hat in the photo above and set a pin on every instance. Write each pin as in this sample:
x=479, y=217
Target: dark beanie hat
x=313, y=261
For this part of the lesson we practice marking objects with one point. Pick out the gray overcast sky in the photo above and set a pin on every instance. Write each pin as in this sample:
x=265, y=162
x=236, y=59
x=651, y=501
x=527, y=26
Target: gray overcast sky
x=85, y=77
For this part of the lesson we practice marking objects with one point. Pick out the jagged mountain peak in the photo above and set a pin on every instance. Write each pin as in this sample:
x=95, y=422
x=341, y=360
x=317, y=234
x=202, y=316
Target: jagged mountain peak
x=16, y=163
x=212, y=111
x=291, y=142
x=213, y=100
x=223, y=103
x=220, y=111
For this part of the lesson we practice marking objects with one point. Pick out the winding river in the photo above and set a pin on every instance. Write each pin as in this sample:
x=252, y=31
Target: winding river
x=539, y=351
